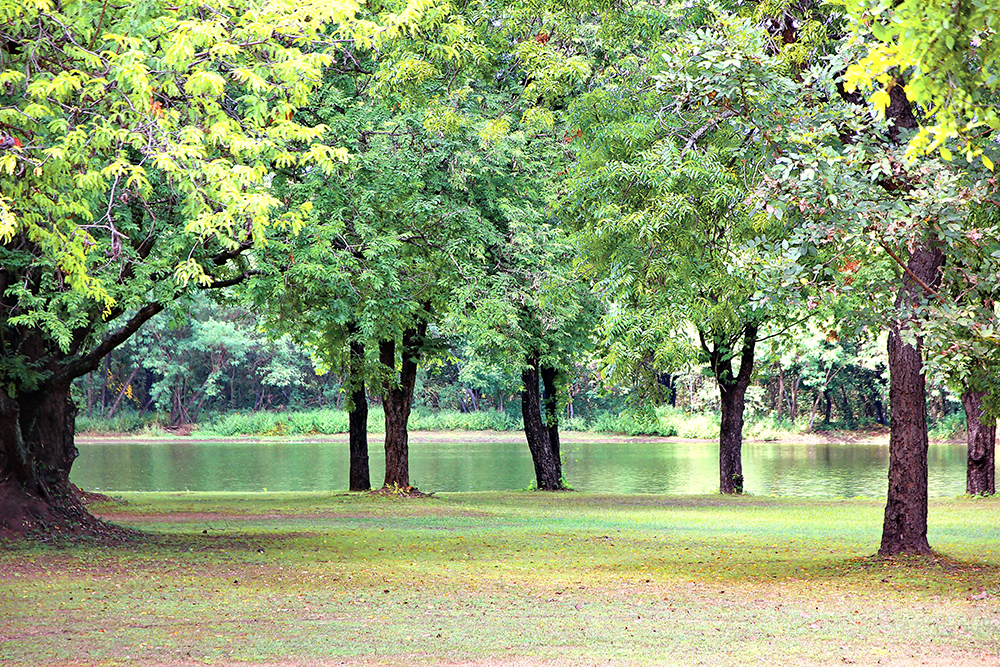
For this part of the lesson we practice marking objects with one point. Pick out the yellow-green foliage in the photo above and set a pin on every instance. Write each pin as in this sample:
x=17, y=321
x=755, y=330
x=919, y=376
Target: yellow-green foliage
x=110, y=102
x=946, y=56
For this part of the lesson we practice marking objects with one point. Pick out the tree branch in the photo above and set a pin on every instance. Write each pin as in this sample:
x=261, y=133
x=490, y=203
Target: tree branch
x=930, y=291
x=82, y=365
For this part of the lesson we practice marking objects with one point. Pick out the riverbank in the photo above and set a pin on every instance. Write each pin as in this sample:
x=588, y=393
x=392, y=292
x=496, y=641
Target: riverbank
x=486, y=579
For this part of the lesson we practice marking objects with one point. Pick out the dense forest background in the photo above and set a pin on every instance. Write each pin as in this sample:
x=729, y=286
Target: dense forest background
x=215, y=369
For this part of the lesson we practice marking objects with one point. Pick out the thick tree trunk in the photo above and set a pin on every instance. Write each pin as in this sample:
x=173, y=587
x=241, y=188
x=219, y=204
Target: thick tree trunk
x=548, y=476
x=732, y=393
x=36, y=454
x=904, y=529
x=980, y=478
x=397, y=402
x=360, y=479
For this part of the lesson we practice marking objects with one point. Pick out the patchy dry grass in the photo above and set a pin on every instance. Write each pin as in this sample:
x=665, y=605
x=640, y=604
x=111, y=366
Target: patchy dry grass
x=486, y=579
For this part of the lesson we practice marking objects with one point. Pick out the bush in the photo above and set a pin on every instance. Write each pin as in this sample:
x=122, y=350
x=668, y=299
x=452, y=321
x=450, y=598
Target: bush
x=690, y=425
x=452, y=420
x=329, y=421
x=633, y=423
x=949, y=427
x=574, y=424
x=123, y=422
x=766, y=427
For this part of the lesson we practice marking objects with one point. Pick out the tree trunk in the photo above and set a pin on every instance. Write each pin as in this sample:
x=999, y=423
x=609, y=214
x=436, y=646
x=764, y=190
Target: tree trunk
x=980, y=478
x=793, y=398
x=551, y=397
x=815, y=409
x=781, y=392
x=904, y=529
x=731, y=438
x=36, y=454
x=397, y=402
x=848, y=415
x=732, y=393
x=360, y=479
x=548, y=476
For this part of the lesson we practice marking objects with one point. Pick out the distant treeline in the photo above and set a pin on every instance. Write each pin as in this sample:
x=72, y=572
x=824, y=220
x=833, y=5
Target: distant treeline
x=220, y=371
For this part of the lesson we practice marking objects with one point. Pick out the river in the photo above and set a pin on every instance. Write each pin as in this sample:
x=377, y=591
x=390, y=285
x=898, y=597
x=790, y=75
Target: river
x=478, y=462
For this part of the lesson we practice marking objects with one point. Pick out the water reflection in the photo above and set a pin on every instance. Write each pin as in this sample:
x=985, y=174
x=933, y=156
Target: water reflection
x=781, y=469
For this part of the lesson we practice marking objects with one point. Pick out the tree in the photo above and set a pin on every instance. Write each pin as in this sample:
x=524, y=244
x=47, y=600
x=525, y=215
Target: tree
x=942, y=55
x=852, y=190
x=534, y=314
x=407, y=224
x=136, y=165
x=674, y=141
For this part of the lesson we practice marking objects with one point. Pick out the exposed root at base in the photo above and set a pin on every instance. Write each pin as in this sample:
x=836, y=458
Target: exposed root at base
x=25, y=516
x=400, y=492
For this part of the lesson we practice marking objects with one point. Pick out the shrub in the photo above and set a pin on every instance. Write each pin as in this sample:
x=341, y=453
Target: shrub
x=123, y=422
x=949, y=427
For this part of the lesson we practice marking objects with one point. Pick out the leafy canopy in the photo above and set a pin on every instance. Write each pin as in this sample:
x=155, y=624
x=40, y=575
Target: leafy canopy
x=945, y=55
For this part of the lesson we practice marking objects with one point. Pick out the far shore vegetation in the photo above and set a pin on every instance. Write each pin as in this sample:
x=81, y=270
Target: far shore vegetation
x=662, y=421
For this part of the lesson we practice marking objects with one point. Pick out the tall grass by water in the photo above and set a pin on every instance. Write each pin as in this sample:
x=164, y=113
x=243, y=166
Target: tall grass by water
x=662, y=421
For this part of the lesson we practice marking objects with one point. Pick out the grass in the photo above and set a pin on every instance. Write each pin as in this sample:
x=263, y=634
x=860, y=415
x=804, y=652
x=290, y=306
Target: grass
x=504, y=579
x=665, y=421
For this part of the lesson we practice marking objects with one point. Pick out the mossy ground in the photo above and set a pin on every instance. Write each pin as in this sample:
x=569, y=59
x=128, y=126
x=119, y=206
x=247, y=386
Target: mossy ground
x=522, y=578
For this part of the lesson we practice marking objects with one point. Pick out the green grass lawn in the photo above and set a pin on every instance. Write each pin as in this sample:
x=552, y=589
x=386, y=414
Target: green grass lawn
x=504, y=579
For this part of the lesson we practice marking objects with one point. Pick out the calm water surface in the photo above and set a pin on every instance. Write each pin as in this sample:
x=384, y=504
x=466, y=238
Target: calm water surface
x=777, y=469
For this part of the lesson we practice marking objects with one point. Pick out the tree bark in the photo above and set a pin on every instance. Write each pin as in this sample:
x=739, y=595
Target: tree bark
x=904, y=529
x=360, y=479
x=732, y=393
x=980, y=478
x=397, y=402
x=550, y=393
x=548, y=476
x=36, y=454
x=781, y=392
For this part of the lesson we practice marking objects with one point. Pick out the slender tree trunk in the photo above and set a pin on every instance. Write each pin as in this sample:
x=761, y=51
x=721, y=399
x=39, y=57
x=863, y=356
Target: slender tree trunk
x=793, y=398
x=548, y=476
x=815, y=409
x=732, y=394
x=904, y=529
x=397, y=402
x=360, y=479
x=105, y=378
x=848, y=415
x=781, y=391
x=90, y=394
x=980, y=478
x=122, y=392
